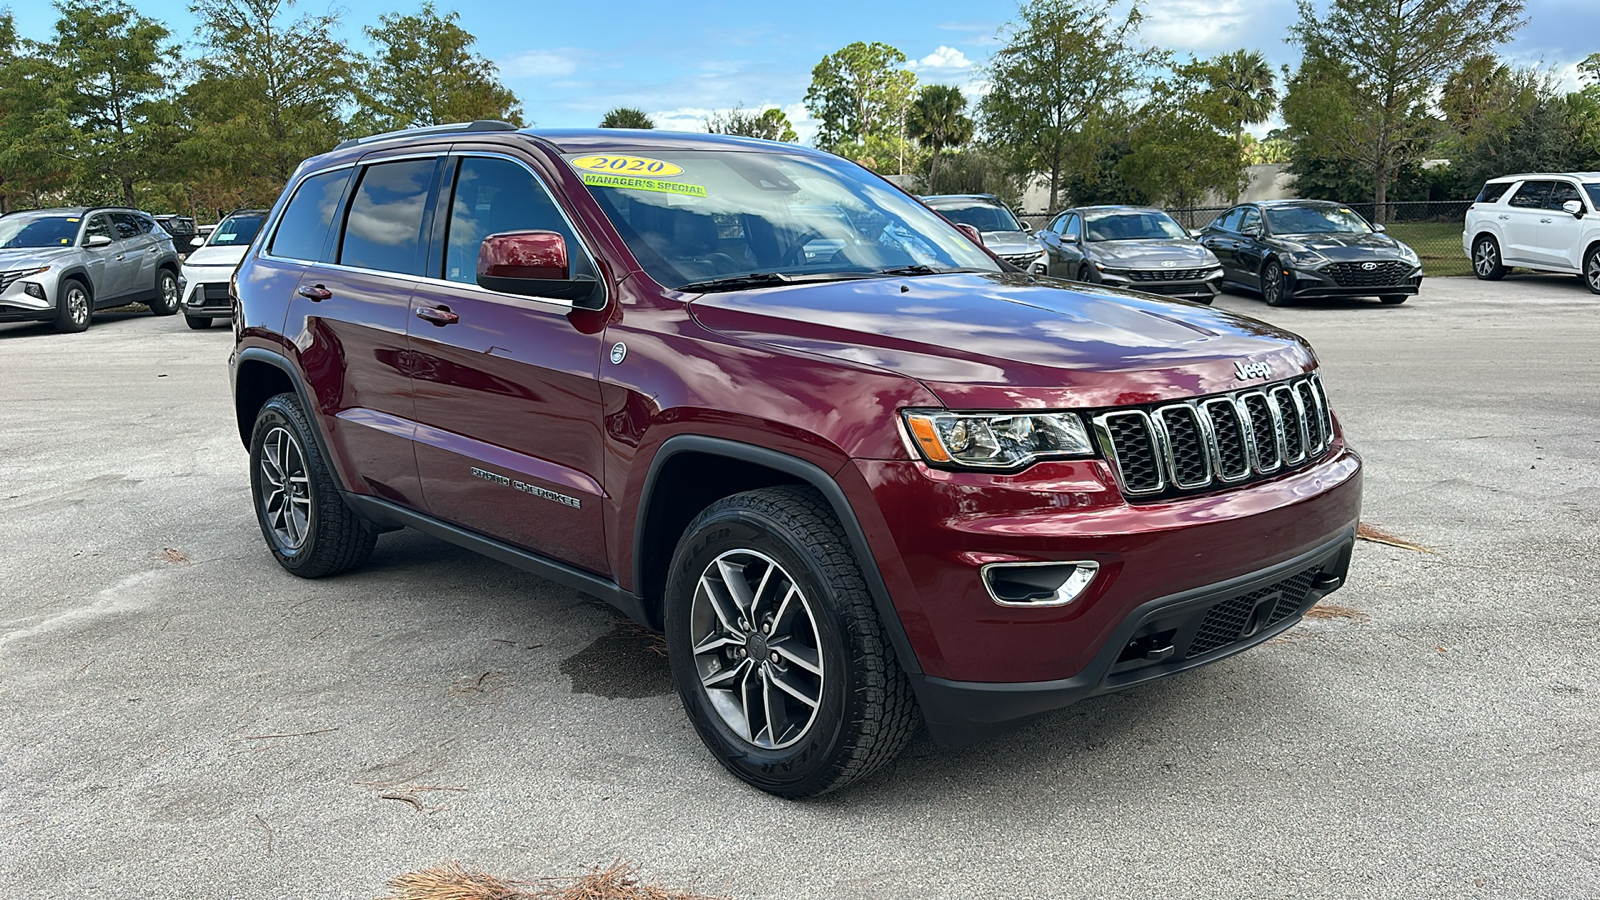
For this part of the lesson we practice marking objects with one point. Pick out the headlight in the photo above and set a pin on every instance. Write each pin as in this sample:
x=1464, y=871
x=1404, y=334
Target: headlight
x=996, y=440
x=1307, y=258
x=1409, y=255
x=28, y=272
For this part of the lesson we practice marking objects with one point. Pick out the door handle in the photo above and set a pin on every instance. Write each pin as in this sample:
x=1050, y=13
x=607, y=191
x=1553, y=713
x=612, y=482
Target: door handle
x=315, y=293
x=120, y=257
x=153, y=250
x=440, y=316
x=1544, y=221
x=1503, y=218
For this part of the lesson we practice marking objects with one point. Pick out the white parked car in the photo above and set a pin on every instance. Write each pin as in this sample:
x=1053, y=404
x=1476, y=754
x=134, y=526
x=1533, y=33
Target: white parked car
x=211, y=265
x=1546, y=222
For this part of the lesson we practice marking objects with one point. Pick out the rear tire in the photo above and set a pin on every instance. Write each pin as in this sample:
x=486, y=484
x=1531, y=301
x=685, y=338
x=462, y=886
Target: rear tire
x=776, y=647
x=307, y=526
x=74, y=307
x=1591, y=269
x=1486, y=262
x=166, y=299
x=198, y=323
x=1273, y=290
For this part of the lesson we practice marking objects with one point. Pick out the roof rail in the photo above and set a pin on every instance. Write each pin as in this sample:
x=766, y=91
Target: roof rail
x=454, y=127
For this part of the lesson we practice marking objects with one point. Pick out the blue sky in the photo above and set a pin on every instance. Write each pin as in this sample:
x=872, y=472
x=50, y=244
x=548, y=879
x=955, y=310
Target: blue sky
x=679, y=61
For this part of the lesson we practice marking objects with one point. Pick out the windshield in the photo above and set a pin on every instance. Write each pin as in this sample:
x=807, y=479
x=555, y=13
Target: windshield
x=236, y=231
x=1315, y=220
x=1142, y=225
x=692, y=217
x=38, y=231
x=1593, y=190
x=981, y=217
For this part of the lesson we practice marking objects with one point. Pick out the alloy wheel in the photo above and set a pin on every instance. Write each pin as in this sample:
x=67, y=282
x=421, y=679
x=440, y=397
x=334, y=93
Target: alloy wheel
x=756, y=648
x=78, y=305
x=1485, y=258
x=169, y=292
x=1592, y=272
x=286, y=489
x=1272, y=285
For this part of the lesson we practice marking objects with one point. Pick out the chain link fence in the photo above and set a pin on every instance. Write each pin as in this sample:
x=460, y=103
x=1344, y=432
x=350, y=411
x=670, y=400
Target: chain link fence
x=1430, y=227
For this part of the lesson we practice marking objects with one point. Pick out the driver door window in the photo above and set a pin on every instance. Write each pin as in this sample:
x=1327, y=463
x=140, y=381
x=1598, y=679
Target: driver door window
x=1072, y=228
x=494, y=196
x=1251, y=222
x=98, y=225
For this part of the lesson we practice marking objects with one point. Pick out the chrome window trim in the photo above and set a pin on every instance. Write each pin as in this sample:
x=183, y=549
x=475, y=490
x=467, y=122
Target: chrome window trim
x=1092, y=565
x=1103, y=429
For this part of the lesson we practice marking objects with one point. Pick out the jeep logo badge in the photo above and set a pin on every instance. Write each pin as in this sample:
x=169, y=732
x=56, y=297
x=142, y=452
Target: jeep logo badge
x=1247, y=371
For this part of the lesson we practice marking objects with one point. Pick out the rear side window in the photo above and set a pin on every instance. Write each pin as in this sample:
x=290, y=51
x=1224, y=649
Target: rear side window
x=1492, y=192
x=496, y=195
x=303, y=230
x=1532, y=194
x=383, y=230
x=145, y=225
x=126, y=225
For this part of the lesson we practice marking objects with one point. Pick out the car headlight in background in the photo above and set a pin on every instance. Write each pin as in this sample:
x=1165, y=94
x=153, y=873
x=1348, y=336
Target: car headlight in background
x=996, y=440
x=1409, y=255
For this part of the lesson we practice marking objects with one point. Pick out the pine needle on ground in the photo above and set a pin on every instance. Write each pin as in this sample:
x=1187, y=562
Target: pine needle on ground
x=452, y=881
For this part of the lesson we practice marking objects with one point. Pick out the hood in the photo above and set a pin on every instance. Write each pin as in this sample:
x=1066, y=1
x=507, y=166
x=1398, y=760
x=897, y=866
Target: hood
x=217, y=256
x=32, y=257
x=1010, y=340
x=1181, y=252
x=1011, y=243
x=1341, y=247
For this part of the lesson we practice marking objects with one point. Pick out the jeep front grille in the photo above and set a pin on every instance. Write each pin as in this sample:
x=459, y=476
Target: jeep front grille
x=1213, y=442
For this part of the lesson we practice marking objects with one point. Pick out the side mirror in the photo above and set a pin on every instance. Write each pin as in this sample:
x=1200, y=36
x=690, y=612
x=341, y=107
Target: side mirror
x=97, y=240
x=1574, y=207
x=1379, y=227
x=1195, y=233
x=197, y=242
x=972, y=234
x=531, y=264
x=1251, y=231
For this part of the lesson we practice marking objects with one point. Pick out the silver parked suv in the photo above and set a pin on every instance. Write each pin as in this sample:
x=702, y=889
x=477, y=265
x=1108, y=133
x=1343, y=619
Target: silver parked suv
x=60, y=265
x=1547, y=222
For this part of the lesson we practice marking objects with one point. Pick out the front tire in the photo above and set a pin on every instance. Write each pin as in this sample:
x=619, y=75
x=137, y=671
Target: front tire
x=74, y=307
x=777, y=650
x=306, y=524
x=1591, y=269
x=166, y=299
x=1273, y=288
x=1486, y=263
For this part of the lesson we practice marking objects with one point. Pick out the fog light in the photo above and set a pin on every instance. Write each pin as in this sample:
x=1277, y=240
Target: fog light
x=35, y=291
x=1038, y=584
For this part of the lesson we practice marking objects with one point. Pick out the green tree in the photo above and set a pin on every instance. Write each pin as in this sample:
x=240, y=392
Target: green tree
x=120, y=63
x=770, y=124
x=1066, y=69
x=859, y=92
x=1376, y=64
x=425, y=73
x=269, y=94
x=1243, y=83
x=1184, y=141
x=626, y=117
x=34, y=131
x=939, y=119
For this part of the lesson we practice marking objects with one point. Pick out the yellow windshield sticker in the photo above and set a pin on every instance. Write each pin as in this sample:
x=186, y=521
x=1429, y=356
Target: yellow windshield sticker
x=595, y=179
x=74, y=220
x=639, y=166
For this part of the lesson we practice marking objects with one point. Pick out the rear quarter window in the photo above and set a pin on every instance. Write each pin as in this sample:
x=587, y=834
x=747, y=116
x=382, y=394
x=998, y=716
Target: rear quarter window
x=303, y=229
x=1493, y=191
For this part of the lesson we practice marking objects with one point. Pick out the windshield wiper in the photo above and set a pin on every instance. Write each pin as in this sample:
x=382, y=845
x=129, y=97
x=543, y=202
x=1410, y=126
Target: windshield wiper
x=767, y=279
x=922, y=269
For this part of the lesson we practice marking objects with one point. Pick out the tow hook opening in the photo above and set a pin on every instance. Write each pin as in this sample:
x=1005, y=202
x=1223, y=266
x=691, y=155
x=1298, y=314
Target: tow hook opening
x=1151, y=647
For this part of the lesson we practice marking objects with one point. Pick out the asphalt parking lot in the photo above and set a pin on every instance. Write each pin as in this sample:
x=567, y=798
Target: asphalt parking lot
x=180, y=718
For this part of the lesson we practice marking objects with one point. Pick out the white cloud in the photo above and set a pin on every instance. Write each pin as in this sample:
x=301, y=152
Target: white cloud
x=942, y=58
x=542, y=63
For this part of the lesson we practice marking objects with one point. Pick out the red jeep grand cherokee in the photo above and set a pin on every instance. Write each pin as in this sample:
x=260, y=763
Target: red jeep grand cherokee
x=860, y=473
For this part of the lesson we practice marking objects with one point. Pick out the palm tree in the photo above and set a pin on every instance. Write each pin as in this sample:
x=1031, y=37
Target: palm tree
x=1244, y=83
x=938, y=120
x=626, y=117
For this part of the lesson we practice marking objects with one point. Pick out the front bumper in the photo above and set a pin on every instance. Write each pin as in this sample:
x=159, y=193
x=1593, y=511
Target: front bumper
x=205, y=293
x=28, y=298
x=932, y=531
x=1311, y=283
x=1159, y=282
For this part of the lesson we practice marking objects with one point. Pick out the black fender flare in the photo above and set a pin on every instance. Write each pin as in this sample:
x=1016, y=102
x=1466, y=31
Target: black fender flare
x=81, y=274
x=297, y=381
x=806, y=472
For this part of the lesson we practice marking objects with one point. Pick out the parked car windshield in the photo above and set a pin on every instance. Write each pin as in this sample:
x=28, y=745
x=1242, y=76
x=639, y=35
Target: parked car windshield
x=1315, y=220
x=982, y=216
x=1140, y=225
x=18, y=232
x=694, y=217
x=236, y=231
x=1593, y=190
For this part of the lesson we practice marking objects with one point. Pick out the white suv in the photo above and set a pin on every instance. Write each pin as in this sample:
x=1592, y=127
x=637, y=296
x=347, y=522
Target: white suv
x=1546, y=222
